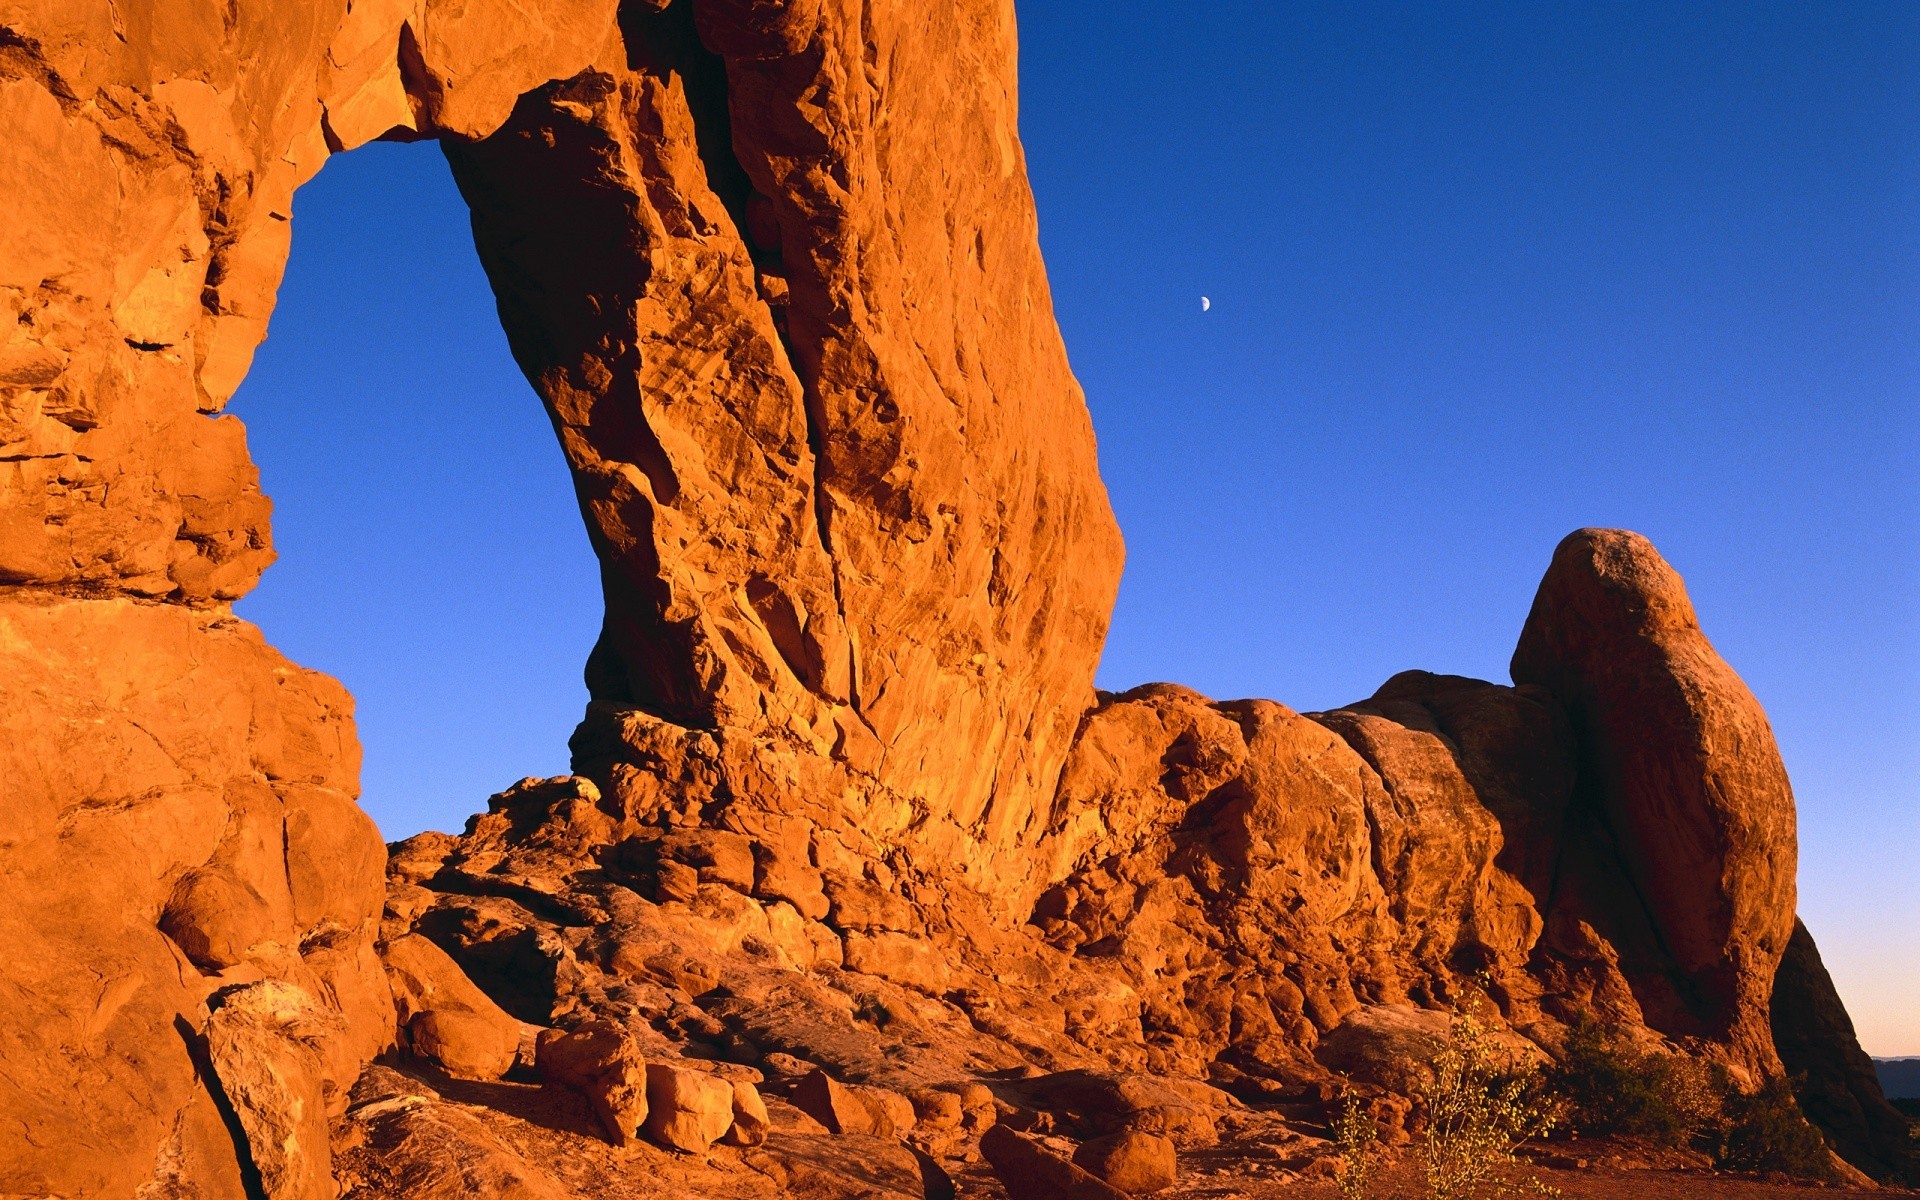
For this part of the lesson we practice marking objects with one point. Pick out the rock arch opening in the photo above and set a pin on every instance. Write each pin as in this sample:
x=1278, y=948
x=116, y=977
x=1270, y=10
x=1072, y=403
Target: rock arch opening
x=857, y=571
x=431, y=555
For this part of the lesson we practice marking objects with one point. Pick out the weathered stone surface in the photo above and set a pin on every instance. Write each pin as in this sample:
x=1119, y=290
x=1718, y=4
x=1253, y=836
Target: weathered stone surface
x=172, y=785
x=1684, y=766
x=602, y=1062
x=267, y=1044
x=401, y=1139
x=138, y=279
x=148, y=156
x=1255, y=875
x=687, y=1110
x=850, y=1108
x=1031, y=1172
x=1388, y=1045
x=821, y=528
x=750, y=1118
x=442, y=1017
x=1138, y=1164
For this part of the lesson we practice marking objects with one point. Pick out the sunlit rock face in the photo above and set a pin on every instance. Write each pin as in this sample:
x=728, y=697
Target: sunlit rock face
x=850, y=833
x=805, y=369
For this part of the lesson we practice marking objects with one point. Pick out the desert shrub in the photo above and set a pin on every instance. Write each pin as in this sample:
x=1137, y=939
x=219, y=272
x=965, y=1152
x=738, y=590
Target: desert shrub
x=1767, y=1132
x=1480, y=1106
x=1357, y=1138
x=1613, y=1088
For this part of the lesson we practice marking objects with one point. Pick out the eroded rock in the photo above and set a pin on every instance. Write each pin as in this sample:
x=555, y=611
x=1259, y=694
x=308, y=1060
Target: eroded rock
x=1138, y=1164
x=602, y=1061
x=1684, y=765
x=687, y=1110
x=443, y=1017
x=1031, y=1172
x=266, y=1042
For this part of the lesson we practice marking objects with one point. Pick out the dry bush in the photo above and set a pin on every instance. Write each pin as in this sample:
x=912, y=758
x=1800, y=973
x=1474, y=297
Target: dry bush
x=1358, y=1139
x=1767, y=1132
x=1482, y=1105
x=1611, y=1087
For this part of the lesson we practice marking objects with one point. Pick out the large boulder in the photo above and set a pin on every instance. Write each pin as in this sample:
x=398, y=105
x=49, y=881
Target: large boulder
x=443, y=1017
x=1679, y=758
x=687, y=1109
x=1029, y=1171
x=266, y=1042
x=602, y=1061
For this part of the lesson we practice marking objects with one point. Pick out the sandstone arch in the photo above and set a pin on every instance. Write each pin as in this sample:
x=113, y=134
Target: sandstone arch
x=772, y=267
x=827, y=533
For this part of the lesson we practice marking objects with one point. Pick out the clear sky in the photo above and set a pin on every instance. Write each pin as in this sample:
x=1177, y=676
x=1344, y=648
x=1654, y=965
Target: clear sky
x=1480, y=274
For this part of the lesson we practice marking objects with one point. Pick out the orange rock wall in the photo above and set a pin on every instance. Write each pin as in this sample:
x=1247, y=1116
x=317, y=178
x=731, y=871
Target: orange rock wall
x=190, y=888
x=166, y=770
x=822, y=426
x=805, y=369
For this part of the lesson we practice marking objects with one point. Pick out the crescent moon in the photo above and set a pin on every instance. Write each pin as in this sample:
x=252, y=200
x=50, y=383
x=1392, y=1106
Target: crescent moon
x=1205, y=304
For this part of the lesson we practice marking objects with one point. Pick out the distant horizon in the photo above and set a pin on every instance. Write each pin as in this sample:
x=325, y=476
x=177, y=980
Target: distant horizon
x=1477, y=277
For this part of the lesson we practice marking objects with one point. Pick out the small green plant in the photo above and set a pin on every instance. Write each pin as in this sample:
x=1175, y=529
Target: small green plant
x=1358, y=1139
x=1767, y=1132
x=1481, y=1106
x=1611, y=1087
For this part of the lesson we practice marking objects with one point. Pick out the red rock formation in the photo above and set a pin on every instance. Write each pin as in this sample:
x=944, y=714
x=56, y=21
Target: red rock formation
x=1682, y=763
x=808, y=460
x=1833, y=1079
x=185, y=832
x=850, y=835
x=799, y=368
x=181, y=834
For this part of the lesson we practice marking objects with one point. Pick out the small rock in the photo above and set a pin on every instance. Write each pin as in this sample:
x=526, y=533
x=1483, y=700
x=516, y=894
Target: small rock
x=850, y=1108
x=937, y=1110
x=689, y=1110
x=977, y=1106
x=1029, y=1172
x=786, y=1066
x=602, y=1062
x=750, y=1119
x=1136, y=1163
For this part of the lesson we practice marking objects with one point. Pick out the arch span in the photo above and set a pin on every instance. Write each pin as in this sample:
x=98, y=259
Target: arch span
x=806, y=375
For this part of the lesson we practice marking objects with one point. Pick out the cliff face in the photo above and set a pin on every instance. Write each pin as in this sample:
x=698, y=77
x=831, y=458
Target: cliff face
x=773, y=270
x=191, y=895
x=844, y=795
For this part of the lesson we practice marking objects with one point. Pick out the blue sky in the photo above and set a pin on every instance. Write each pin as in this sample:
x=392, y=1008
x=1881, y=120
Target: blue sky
x=1480, y=274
